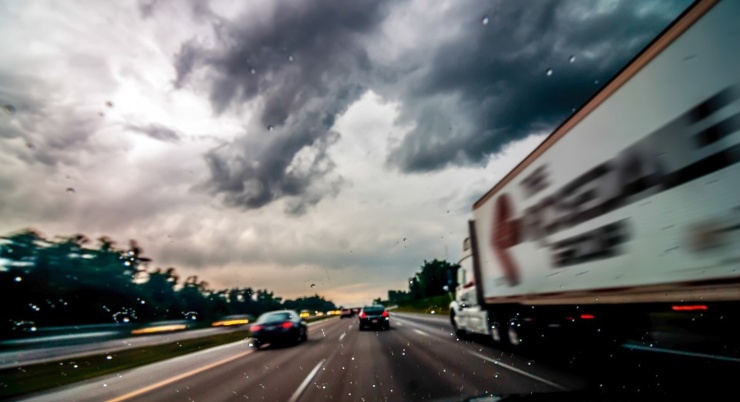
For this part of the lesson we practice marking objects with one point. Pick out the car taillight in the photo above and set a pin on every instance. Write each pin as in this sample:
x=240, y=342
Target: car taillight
x=363, y=315
x=256, y=328
x=385, y=314
x=287, y=325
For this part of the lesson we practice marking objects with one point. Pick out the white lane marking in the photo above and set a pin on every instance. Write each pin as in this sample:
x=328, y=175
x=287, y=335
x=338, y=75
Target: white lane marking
x=680, y=352
x=342, y=336
x=178, y=377
x=305, y=382
x=522, y=372
x=420, y=332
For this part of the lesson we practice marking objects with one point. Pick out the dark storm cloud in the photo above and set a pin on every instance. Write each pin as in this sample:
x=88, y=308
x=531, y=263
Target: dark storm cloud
x=305, y=64
x=466, y=96
x=156, y=131
x=489, y=86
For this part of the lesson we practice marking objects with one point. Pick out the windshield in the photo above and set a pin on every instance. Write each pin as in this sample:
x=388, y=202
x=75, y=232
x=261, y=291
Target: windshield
x=528, y=196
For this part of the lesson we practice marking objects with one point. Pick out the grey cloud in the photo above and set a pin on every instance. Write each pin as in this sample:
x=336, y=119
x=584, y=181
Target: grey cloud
x=488, y=87
x=304, y=65
x=156, y=131
x=52, y=132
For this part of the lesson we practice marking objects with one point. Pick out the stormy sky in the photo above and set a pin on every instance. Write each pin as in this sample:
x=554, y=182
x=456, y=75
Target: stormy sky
x=279, y=144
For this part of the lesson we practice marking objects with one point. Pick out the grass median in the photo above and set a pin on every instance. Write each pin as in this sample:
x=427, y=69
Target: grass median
x=437, y=305
x=37, y=377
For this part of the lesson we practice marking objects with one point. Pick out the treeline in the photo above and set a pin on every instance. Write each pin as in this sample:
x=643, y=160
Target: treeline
x=74, y=281
x=434, y=278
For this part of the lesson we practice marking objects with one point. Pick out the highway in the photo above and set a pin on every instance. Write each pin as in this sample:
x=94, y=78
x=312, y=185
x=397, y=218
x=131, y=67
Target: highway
x=418, y=359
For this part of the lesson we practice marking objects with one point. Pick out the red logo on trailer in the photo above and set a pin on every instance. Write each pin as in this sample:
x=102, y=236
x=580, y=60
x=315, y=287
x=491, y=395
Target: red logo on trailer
x=505, y=235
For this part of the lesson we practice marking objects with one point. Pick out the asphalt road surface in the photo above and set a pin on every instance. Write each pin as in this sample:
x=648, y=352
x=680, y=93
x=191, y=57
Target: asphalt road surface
x=417, y=359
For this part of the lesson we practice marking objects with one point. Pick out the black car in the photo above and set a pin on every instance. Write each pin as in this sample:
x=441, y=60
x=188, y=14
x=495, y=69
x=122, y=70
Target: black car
x=284, y=326
x=374, y=317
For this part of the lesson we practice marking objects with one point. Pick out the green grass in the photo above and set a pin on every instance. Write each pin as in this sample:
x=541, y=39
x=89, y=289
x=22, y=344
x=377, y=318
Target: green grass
x=437, y=304
x=37, y=377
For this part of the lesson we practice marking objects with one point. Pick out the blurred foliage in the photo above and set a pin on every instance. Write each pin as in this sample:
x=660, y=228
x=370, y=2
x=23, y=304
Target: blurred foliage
x=429, y=282
x=75, y=281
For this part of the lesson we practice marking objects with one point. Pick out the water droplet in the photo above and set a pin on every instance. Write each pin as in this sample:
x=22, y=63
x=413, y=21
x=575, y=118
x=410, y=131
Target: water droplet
x=109, y=357
x=18, y=279
x=70, y=190
x=253, y=71
x=313, y=285
x=485, y=20
x=290, y=58
x=9, y=109
x=270, y=128
x=596, y=82
x=30, y=145
x=109, y=103
x=548, y=72
x=571, y=59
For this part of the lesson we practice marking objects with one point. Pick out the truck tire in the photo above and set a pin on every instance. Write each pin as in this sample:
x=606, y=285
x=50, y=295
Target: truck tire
x=513, y=334
x=495, y=329
x=458, y=332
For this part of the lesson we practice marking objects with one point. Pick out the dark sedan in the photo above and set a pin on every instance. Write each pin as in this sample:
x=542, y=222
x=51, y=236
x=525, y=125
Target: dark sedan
x=284, y=326
x=374, y=317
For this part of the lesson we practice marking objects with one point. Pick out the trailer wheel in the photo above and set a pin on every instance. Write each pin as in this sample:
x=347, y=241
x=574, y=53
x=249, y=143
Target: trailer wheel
x=495, y=328
x=513, y=334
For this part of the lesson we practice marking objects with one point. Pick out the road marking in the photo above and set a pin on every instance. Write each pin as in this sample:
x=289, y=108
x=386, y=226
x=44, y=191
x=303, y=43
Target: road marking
x=178, y=377
x=342, y=336
x=420, y=332
x=681, y=353
x=522, y=372
x=305, y=382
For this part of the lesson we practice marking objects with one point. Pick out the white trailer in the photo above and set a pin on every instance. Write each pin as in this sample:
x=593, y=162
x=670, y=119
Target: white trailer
x=630, y=207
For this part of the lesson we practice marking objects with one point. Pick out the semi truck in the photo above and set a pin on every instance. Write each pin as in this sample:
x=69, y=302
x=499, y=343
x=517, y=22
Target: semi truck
x=625, y=220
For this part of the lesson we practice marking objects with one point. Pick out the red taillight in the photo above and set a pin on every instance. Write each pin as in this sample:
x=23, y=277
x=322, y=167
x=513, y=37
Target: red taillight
x=689, y=308
x=385, y=314
x=363, y=315
x=256, y=328
x=587, y=316
x=287, y=325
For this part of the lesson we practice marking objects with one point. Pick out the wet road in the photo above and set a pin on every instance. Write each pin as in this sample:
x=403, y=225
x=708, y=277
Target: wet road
x=418, y=359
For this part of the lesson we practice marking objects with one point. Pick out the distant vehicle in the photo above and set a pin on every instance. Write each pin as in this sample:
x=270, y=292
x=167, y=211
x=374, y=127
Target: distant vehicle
x=284, y=326
x=305, y=314
x=347, y=312
x=375, y=317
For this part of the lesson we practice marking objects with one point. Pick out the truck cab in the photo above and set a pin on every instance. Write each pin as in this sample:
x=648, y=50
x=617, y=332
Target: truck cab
x=466, y=312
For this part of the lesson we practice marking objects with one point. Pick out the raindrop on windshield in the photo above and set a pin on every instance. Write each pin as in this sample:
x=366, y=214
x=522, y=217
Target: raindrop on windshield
x=290, y=58
x=313, y=285
x=70, y=190
x=9, y=109
x=485, y=20
x=548, y=72
x=109, y=103
x=253, y=71
x=571, y=59
x=270, y=128
x=30, y=145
